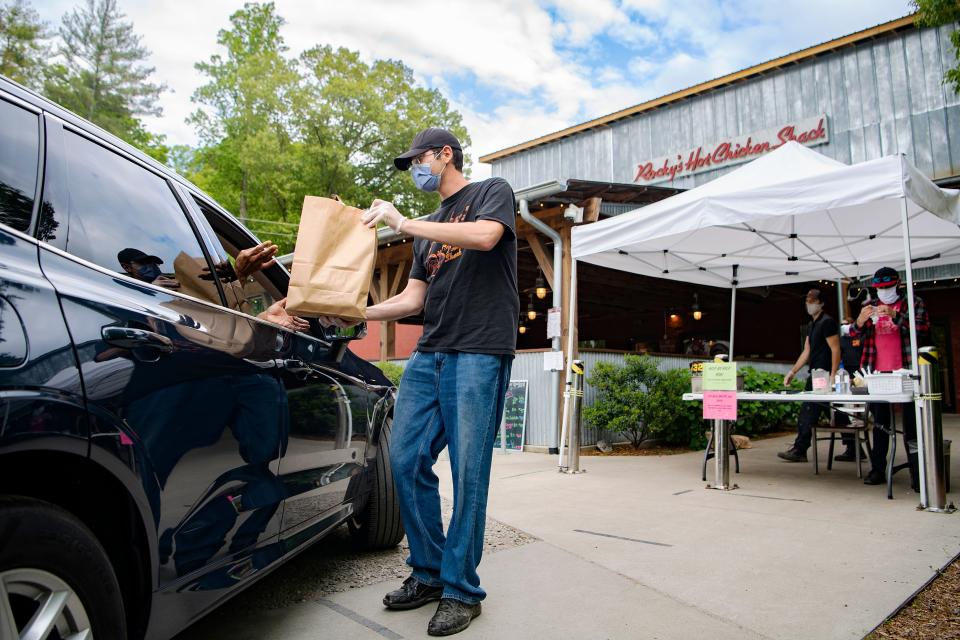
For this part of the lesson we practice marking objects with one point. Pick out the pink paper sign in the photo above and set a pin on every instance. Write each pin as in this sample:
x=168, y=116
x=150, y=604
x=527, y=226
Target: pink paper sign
x=720, y=405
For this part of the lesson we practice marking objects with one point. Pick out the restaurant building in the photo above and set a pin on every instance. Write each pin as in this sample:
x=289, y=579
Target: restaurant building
x=873, y=93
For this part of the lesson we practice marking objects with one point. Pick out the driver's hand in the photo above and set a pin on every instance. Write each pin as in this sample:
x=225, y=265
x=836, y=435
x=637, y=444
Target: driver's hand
x=277, y=314
x=254, y=259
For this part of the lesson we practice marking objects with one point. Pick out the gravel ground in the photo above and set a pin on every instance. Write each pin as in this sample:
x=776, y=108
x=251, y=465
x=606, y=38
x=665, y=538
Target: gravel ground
x=933, y=615
x=333, y=565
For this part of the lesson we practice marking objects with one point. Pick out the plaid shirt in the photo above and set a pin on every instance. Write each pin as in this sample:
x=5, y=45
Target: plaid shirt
x=868, y=333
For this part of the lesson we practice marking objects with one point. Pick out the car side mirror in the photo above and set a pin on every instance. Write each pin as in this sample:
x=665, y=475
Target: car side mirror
x=355, y=332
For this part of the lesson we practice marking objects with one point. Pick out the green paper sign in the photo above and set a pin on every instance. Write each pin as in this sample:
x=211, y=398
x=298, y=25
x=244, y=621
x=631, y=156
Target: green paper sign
x=720, y=376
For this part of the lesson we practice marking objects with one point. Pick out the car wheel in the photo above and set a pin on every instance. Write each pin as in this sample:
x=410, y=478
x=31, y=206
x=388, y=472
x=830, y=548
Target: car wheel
x=55, y=578
x=378, y=526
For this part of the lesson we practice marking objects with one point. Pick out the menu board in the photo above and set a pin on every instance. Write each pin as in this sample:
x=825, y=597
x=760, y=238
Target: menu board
x=514, y=421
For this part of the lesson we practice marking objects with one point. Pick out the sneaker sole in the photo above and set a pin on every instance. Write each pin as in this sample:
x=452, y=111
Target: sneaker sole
x=450, y=632
x=415, y=604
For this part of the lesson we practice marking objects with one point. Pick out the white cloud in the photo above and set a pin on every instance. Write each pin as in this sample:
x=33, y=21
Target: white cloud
x=544, y=55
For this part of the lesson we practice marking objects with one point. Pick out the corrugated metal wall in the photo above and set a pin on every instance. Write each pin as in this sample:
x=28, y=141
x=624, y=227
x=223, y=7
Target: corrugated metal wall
x=528, y=365
x=881, y=97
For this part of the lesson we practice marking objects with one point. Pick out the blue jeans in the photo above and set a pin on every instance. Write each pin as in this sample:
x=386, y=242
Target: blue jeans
x=452, y=400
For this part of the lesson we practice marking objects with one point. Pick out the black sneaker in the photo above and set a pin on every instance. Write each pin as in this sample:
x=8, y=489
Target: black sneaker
x=849, y=455
x=452, y=617
x=875, y=477
x=792, y=455
x=411, y=595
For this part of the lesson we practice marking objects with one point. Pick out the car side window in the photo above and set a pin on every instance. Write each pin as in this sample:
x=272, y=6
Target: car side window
x=251, y=292
x=19, y=155
x=126, y=219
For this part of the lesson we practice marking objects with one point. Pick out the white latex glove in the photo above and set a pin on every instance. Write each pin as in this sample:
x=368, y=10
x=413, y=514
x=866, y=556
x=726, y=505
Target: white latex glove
x=381, y=210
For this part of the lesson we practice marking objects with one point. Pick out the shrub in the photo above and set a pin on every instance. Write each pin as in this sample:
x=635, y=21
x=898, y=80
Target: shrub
x=670, y=418
x=621, y=400
x=754, y=418
x=392, y=370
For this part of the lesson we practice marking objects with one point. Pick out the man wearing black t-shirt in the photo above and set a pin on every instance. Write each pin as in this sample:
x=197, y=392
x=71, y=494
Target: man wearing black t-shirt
x=464, y=279
x=821, y=350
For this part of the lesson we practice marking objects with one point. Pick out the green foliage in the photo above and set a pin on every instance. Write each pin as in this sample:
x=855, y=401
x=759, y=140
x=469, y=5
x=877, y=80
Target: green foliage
x=247, y=161
x=392, y=370
x=275, y=129
x=101, y=74
x=754, y=418
x=641, y=402
x=621, y=403
x=23, y=51
x=671, y=419
x=932, y=13
x=358, y=117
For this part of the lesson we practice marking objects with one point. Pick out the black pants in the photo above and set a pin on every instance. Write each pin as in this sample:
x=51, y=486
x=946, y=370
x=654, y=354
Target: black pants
x=881, y=434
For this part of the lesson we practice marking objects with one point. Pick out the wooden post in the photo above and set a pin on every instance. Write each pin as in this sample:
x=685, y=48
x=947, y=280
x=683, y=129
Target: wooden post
x=383, y=286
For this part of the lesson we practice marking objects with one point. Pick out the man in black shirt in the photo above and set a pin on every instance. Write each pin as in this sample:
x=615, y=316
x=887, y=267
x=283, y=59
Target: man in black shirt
x=464, y=279
x=821, y=350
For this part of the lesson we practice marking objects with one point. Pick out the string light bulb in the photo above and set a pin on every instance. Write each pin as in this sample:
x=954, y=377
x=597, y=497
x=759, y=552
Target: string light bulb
x=541, y=286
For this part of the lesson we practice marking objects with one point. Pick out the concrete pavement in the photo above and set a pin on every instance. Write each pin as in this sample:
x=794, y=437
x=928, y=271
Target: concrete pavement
x=638, y=548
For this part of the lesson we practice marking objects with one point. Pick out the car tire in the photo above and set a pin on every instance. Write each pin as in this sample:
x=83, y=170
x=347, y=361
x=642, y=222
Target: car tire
x=49, y=556
x=378, y=525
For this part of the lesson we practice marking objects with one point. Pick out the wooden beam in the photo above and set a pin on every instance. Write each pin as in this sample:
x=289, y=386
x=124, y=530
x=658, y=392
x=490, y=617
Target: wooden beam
x=546, y=265
x=397, y=276
x=591, y=210
x=384, y=326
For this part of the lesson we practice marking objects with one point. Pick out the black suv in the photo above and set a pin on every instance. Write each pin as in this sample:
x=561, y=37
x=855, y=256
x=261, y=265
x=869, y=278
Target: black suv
x=161, y=447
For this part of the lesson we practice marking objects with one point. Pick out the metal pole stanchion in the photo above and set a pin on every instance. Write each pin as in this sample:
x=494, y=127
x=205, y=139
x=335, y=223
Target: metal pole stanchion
x=573, y=455
x=931, y=456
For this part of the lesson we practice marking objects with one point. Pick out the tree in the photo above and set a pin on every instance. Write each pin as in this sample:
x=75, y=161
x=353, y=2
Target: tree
x=275, y=129
x=933, y=13
x=360, y=116
x=23, y=51
x=248, y=160
x=101, y=73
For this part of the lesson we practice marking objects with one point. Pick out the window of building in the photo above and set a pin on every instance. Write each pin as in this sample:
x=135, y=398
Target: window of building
x=125, y=218
x=19, y=155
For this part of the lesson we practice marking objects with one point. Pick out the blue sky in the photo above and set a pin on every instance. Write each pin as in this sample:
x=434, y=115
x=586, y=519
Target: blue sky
x=515, y=69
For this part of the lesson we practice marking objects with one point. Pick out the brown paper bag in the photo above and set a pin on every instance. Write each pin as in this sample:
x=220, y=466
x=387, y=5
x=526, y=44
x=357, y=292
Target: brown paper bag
x=332, y=262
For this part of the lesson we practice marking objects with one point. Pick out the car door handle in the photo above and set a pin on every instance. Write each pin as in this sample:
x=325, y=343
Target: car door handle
x=130, y=338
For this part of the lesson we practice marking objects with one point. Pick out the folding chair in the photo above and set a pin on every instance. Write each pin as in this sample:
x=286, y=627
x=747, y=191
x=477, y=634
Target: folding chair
x=859, y=418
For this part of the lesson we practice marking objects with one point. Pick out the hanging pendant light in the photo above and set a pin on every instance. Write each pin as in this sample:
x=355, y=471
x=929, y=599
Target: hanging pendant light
x=697, y=314
x=522, y=329
x=531, y=312
x=541, y=286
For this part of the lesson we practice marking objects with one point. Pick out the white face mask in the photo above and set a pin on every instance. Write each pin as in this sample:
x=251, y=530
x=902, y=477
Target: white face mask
x=813, y=308
x=888, y=295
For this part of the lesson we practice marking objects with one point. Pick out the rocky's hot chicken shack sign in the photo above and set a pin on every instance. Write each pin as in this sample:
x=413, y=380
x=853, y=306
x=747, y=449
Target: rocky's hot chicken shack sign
x=809, y=132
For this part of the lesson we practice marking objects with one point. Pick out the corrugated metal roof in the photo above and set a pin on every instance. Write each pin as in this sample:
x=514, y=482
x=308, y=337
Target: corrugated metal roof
x=737, y=76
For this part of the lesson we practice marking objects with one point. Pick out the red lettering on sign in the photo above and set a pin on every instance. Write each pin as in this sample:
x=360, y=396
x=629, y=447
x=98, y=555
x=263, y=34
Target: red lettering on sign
x=731, y=151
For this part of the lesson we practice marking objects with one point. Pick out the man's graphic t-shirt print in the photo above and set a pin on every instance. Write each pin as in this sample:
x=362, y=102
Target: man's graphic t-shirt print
x=440, y=254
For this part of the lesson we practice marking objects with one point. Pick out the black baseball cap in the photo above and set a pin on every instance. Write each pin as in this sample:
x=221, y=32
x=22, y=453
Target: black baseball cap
x=135, y=255
x=885, y=277
x=432, y=138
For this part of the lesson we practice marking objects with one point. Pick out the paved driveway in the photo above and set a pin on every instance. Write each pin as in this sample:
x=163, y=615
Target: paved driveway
x=638, y=548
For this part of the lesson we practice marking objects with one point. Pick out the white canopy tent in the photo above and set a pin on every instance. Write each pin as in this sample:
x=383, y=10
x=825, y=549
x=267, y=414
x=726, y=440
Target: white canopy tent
x=792, y=215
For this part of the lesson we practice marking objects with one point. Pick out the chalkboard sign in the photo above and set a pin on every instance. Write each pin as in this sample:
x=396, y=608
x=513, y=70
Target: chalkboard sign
x=514, y=421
